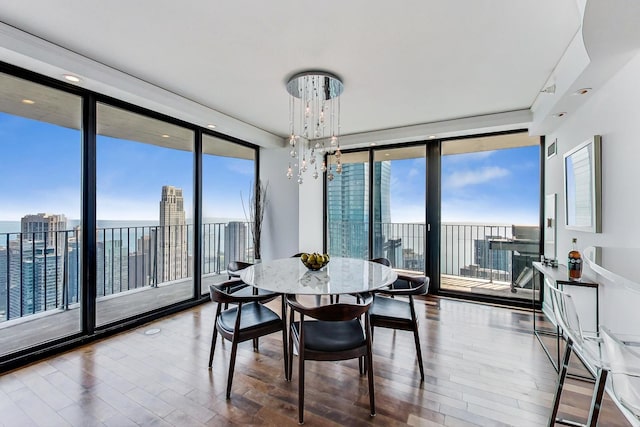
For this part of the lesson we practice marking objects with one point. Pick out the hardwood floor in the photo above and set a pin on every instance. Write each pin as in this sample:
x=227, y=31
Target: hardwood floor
x=483, y=367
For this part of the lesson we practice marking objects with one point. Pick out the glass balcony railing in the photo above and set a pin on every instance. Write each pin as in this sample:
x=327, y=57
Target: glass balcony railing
x=40, y=271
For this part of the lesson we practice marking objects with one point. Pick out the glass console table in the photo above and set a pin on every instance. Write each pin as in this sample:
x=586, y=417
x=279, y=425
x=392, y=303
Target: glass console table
x=560, y=276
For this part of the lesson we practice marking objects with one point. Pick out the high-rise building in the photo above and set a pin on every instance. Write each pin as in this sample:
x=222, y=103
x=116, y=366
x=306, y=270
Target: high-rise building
x=44, y=227
x=235, y=241
x=348, y=214
x=35, y=278
x=172, y=236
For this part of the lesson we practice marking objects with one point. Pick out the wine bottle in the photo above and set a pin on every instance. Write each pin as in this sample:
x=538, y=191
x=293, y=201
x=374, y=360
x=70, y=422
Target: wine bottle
x=574, y=263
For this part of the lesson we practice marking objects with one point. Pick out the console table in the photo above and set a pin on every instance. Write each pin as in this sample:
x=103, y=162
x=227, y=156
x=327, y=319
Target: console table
x=559, y=275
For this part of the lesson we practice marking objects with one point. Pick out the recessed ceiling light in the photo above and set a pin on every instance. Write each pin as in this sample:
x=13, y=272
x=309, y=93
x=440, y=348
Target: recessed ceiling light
x=432, y=137
x=560, y=114
x=71, y=78
x=386, y=154
x=164, y=135
x=372, y=144
x=582, y=91
x=211, y=126
x=28, y=101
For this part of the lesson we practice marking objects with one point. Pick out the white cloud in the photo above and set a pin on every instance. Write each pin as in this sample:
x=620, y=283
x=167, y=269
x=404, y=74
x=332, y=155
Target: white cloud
x=474, y=177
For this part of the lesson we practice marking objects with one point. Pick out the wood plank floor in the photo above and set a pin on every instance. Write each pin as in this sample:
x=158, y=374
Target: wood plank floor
x=483, y=366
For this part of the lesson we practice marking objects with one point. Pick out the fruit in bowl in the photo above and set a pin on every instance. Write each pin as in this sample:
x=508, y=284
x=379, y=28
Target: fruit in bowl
x=314, y=261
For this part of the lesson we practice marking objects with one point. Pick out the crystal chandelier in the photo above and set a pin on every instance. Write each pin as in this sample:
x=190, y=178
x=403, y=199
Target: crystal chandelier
x=314, y=112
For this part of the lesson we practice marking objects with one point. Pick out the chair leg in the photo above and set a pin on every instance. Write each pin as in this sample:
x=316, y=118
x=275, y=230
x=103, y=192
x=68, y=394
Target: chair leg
x=372, y=400
x=416, y=337
x=300, y=388
x=596, y=400
x=285, y=355
x=213, y=344
x=255, y=344
x=232, y=364
x=561, y=378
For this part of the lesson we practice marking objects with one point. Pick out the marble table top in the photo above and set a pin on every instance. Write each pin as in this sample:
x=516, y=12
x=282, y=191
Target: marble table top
x=340, y=276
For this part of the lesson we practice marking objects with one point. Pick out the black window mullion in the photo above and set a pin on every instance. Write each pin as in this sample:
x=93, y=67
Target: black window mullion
x=88, y=217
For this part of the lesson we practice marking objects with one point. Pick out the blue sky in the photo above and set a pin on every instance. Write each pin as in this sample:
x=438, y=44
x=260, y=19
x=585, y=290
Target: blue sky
x=485, y=187
x=41, y=170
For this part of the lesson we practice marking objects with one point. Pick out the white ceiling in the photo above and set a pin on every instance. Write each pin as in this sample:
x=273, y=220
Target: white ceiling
x=402, y=63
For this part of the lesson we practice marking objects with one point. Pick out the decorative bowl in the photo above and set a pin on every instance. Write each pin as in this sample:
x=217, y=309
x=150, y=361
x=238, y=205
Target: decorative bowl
x=314, y=261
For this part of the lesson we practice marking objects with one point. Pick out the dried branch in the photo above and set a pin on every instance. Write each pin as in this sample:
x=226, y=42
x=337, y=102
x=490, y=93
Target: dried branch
x=256, y=206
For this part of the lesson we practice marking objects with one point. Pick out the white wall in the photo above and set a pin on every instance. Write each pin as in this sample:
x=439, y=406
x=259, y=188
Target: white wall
x=612, y=111
x=280, y=228
x=311, y=210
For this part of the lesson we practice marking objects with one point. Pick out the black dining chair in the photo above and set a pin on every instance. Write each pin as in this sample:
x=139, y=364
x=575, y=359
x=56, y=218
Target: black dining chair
x=247, y=320
x=383, y=261
x=400, y=313
x=336, y=333
x=234, y=268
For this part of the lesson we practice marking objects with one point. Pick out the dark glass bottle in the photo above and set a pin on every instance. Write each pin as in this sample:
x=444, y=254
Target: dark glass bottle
x=574, y=263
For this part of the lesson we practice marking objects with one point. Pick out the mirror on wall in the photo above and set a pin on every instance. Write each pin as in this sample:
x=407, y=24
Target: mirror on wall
x=583, y=186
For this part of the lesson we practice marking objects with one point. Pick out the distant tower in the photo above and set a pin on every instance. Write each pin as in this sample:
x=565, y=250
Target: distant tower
x=43, y=226
x=172, y=236
x=348, y=215
x=235, y=241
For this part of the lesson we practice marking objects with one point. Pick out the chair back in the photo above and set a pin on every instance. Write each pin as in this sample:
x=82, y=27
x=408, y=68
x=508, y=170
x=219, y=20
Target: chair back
x=225, y=293
x=408, y=285
x=234, y=266
x=624, y=370
x=383, y=261
x=333, y=312
x=565, y=312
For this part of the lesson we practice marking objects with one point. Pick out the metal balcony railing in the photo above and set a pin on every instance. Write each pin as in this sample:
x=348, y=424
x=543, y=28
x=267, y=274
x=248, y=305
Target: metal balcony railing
x=41, y=271
x=466, y=249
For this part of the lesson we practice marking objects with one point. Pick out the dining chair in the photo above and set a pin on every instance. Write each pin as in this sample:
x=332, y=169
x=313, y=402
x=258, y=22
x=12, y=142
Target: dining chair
x=234, y=268
x=335, y=333
x=247, y=320
x=623, y=361
x=586, y=347
x=399, y=313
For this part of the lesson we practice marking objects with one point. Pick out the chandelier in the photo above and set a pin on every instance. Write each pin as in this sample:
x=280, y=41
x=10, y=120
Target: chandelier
x=314, y=113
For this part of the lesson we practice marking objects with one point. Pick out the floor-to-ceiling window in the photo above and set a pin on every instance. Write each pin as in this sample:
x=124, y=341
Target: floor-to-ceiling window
x=40, y=253
x=144, y=214
x=399, y=181
x=228, y=177
x=484, y=195
x=348, y=206
x=490, y=215
x=99, y=199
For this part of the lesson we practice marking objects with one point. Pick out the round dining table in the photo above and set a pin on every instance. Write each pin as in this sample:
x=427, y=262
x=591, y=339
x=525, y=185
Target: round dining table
x=339, y=276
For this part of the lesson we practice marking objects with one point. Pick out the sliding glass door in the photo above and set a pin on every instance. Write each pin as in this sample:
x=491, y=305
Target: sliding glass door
x=228, y=175
x=144, y=251
x=40, y=250
x=490, y=211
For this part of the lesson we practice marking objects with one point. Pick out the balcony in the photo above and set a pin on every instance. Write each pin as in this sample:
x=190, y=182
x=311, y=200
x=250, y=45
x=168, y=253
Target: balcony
x=491, y=260
x=140, y=269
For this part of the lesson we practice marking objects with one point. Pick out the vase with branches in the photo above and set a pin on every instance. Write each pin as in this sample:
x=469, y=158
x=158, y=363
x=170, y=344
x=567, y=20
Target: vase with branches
x=254, y=213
